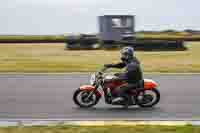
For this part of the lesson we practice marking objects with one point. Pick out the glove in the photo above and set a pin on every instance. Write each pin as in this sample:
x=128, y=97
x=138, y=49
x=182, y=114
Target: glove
x=117, y=74
x=108, y=65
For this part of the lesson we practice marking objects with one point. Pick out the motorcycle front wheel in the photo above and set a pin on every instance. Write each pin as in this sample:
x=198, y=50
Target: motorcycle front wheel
x=148, y=98
x=81, y=99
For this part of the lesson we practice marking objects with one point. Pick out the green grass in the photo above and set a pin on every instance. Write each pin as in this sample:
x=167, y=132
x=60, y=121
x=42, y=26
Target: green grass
x=102, y=129
x=53, y=58
x=168, y=36
x=32, y=37
x=139, y=35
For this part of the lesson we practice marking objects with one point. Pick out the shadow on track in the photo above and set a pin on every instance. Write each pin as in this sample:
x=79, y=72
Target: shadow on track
x=117, y=109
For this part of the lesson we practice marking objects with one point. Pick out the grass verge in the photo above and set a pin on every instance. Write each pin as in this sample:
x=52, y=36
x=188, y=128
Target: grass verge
x=103, y=129
x=139, y=35
x=22, y=38
x=53, y=58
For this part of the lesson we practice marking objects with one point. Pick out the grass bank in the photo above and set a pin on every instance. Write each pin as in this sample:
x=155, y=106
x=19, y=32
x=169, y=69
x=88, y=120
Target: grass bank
x=139, y=35
x=53, y=58
x=103, y=129
x=168, y=36
x=32, y=38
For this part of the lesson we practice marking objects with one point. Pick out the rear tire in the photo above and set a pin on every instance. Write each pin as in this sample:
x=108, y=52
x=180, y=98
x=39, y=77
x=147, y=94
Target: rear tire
x=157, y=96
x=77, y=102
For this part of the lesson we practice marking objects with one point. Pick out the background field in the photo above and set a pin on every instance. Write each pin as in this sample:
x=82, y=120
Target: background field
x=42, y=57
x=104, y=129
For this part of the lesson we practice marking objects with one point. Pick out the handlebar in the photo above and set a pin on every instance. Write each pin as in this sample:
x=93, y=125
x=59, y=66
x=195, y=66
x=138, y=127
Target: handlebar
x=102, y=70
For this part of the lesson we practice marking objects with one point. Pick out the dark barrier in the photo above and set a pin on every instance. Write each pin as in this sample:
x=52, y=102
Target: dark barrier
x=109, y=44
x=72, y=42
x=143, y=45
x=88, y=41
x=81, y=42
x=153, y=45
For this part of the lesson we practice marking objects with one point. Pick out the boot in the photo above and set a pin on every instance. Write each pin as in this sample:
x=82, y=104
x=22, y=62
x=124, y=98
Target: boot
x=117, y=100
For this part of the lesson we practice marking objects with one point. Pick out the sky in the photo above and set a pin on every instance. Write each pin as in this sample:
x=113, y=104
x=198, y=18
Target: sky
x=80, y=16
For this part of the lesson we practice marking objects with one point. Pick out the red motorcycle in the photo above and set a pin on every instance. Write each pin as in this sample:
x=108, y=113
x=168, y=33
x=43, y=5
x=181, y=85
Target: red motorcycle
x=87, y=96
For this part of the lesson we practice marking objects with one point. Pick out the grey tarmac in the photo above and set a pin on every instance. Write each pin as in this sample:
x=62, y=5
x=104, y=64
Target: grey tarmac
x=49, y=96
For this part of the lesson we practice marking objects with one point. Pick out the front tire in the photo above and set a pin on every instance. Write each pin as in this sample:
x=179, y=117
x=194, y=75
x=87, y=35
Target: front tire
x=82, y=103
x=153, y=100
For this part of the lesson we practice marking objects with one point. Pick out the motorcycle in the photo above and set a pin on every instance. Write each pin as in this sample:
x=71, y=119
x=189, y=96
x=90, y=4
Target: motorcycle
x=102, y=84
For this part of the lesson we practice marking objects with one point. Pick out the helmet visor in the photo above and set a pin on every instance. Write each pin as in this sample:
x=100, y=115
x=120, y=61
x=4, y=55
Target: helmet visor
x=124, y=55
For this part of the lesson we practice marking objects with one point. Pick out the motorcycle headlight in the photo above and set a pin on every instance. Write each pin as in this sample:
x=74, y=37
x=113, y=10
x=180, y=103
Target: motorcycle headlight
x=92, y=79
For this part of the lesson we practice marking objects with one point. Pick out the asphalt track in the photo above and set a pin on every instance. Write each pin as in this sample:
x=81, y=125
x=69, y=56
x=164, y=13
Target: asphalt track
x=49, y=96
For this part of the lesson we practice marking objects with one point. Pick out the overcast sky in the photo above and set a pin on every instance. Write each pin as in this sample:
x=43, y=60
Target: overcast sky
x=80, y=16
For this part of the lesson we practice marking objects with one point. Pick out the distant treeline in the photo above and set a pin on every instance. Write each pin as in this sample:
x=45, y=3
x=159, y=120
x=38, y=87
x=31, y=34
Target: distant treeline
x=172, y=31
x=31, y=38
x=188, y=34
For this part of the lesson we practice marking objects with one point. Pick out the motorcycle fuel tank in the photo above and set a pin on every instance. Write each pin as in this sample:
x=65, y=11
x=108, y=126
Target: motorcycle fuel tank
x=111, y=82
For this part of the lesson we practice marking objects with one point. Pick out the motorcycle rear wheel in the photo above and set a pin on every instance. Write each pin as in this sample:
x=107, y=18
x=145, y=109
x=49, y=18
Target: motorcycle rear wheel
x=84, y=94
x=145, y=104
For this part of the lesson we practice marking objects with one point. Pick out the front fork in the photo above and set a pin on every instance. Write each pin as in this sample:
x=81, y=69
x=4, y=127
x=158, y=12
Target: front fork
x=94, y=92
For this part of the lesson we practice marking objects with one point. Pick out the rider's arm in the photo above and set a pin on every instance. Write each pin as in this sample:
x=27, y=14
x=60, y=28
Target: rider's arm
x=118, y=65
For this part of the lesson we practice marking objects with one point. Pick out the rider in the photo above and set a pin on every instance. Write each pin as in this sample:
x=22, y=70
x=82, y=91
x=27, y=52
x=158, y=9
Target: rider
x=133, y=74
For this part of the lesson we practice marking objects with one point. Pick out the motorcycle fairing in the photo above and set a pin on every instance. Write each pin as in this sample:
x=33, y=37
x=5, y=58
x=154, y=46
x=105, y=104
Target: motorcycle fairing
x=149, y=84
x=90, y=88
x=87, y=87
